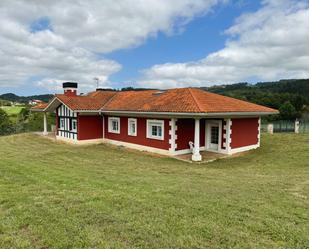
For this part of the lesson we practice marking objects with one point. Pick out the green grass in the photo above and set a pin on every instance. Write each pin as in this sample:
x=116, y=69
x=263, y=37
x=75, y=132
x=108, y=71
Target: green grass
x=62, y=196
x=12, y=110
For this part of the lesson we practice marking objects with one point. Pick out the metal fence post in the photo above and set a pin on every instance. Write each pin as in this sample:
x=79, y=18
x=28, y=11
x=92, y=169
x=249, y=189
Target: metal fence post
x=296, y=127
x=270, y=128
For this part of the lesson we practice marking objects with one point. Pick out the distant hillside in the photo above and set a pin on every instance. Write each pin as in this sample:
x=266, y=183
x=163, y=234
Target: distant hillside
x=25, y=99
x=291, y=97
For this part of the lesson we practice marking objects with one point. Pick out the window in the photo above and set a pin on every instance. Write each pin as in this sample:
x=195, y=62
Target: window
x=74, y=125
x=114, y=125
x=155, y=129
x=214, y=135
x=61, y=124
x=132, y=129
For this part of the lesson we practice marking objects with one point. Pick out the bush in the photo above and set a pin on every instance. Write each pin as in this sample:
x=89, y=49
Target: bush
x=6, y=126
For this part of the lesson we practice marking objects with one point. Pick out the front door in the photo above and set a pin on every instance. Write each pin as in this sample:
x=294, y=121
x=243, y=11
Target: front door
x=213, y=136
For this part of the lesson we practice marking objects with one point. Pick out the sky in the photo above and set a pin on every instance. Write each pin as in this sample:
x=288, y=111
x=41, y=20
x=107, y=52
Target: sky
x=150, y=43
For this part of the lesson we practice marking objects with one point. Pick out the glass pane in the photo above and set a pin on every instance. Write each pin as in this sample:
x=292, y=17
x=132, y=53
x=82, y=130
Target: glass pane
x=154, y=131
x=115, y=125
x=159, y=131
x=214, y=135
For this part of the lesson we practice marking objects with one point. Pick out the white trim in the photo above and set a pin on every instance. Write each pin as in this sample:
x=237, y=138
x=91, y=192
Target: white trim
x=139, y=147
x=80, y=142
x=148, y=131
x=45, y=132
x=259, y=132
x=172, y=133
x=103, y=125
x=110, y=120
x=129, y=128
x=197, y=114
x=245, y=148
x=70, y=89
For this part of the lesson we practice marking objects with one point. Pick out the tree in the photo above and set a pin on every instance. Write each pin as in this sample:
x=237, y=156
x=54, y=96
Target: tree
x=288, y=111
x=6, y=126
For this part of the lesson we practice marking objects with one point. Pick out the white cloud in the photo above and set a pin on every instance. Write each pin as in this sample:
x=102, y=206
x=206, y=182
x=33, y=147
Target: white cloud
x=269, y=44
x=77, y=32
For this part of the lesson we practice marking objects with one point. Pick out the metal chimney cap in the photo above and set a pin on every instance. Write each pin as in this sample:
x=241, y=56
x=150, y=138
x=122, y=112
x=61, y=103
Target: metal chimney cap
x=69, y=85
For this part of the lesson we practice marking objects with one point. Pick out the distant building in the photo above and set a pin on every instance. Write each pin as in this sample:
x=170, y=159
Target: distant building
x=35, y=102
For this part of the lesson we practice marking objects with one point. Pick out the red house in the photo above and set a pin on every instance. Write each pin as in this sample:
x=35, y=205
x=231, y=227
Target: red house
x=170, y=122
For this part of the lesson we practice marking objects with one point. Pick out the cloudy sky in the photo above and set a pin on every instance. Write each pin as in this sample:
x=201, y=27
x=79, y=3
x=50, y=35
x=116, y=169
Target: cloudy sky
x=150, y=43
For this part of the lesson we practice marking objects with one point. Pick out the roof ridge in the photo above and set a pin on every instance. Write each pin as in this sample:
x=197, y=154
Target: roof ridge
x=195, y=99
x=110, y=99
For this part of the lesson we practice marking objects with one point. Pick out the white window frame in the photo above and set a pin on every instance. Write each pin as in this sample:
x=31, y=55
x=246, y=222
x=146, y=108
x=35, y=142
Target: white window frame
x=110, y=127
x=150, y=123
x=130, y=120
x=74, y=121
x=62, y=127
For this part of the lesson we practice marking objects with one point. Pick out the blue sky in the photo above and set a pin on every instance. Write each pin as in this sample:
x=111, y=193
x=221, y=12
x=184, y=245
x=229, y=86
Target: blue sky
x=143, y=44
x=200, y=37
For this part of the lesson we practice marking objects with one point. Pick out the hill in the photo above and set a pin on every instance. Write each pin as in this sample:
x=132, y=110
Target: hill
x=291, y=97
x=25, y=99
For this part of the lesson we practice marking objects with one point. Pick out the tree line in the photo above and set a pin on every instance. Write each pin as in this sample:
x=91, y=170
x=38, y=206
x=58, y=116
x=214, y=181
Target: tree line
x=290, y=97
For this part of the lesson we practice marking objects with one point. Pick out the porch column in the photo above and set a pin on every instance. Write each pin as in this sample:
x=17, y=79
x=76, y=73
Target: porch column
x=45, y=124
x=196, y=156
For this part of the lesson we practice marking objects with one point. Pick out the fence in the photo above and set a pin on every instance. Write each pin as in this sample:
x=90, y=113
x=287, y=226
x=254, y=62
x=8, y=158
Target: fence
x=280, y=126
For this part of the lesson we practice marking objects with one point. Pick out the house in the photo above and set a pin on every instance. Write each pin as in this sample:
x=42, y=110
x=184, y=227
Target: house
x=35, y=102
x=170, y=122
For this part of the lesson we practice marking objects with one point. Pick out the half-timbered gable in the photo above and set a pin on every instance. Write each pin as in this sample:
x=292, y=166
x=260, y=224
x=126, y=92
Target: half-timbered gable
x=67, y=126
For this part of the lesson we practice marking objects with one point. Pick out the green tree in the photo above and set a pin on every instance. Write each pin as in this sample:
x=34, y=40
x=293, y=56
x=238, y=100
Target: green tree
x=6, y=126
x=288, y=111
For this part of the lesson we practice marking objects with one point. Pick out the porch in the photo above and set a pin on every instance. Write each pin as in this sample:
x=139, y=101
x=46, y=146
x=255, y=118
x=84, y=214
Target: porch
x=206, y=157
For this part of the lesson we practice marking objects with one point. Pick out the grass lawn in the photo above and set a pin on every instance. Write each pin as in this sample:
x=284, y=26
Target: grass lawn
x=12, y=110
x=63, y=196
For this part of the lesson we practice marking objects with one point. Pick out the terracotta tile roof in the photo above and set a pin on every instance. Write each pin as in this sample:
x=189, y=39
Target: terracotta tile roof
x=190, y=100
x=91, y=101
x=174, y=100
x=179, y=100
x=211, y=102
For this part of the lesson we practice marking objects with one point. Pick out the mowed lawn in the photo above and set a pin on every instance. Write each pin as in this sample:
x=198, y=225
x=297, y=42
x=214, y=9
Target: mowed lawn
x=55, y=195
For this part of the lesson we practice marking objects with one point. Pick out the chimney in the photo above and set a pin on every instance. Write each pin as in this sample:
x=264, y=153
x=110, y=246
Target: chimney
x=70, y=89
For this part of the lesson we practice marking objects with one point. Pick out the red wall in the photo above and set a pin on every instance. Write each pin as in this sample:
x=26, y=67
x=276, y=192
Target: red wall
x=244, y=132
x=141, y=138
x=89, y=127
x=185, y=133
